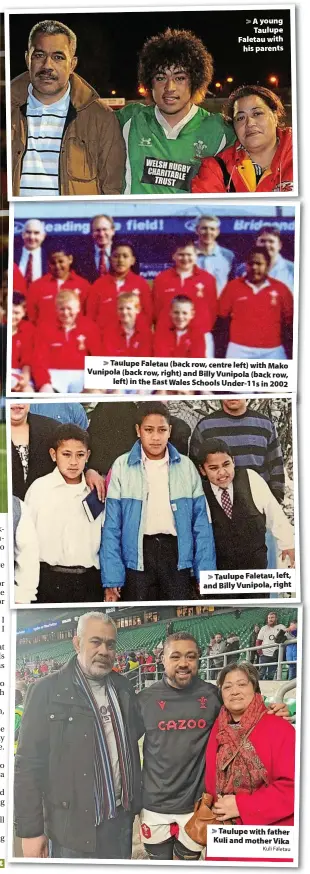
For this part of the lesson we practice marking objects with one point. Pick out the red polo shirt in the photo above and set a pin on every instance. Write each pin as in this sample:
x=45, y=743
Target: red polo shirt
x=169, y=344
x=42, y=293
x=101, y=306
x=23, y=345
x=19, y=282
x=115, y=342
x=256, y=317
x=200, y=287
x=64, y=350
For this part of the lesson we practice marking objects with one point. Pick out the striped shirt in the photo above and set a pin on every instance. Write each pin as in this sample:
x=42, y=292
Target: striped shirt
x=41, y=160
x=253, y=441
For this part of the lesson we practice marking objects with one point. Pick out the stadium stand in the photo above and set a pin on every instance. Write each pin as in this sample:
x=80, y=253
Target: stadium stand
x=148, y=637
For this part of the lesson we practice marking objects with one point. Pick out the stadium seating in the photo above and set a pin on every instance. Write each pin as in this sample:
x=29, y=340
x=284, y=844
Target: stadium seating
x=148, y=637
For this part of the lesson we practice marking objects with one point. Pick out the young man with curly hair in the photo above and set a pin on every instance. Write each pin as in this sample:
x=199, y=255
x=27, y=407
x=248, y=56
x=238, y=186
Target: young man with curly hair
x=167, y=139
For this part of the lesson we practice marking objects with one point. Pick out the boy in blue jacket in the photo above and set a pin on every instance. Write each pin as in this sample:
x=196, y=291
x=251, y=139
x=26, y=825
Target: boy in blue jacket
x=156, y=536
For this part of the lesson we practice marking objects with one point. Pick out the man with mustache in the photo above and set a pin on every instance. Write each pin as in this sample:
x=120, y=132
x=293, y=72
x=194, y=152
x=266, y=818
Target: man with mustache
x=77, y=779
x=64, y=140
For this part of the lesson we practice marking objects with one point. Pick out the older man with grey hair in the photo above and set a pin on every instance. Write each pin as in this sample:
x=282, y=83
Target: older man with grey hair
x=29, y=254
x=64, y=139
x=77, y=779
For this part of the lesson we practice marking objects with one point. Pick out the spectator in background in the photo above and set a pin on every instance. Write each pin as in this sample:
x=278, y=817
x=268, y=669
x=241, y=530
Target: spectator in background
x=289, y=637
x=42, y=293
x=210, y=255
x=149, y=669
x=251, y=436
x=232, y=644
x=291, y=649
x=280, y=268
x=217, y=647
x=80, y=136
x=260, y=308
x=266, y=640
x=62, y=413
x=29, y=253
x=252, y=642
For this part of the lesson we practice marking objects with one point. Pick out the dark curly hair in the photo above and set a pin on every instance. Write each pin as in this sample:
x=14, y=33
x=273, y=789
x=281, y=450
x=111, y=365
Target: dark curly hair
x=176, y=48
x=272, y=100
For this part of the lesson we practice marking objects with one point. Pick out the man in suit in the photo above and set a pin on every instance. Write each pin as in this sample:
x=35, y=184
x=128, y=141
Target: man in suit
x=29, y=254
x=93, y=252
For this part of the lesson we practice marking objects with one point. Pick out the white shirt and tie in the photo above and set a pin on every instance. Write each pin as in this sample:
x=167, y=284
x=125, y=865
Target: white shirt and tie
x=98, y=257
x=265, y=502
x=35, y=260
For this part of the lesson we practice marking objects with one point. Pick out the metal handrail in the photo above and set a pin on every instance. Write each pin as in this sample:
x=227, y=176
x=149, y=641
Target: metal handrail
x=136, y=674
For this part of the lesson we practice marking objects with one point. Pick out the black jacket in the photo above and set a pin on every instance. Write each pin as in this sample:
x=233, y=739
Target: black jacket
x=54, y=771
x=41, y=433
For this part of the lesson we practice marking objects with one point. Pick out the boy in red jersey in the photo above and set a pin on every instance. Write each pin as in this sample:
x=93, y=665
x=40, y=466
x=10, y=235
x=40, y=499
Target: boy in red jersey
x=22, y=345
x=103, y=298
x=19, y=282
x=60, y=354
x=43, y=292
x=259, y=307
x=185, y=278
x=131, y=334
x=182, y=338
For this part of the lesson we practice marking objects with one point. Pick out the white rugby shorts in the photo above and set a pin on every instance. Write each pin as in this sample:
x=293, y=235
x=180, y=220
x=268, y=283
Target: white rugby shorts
x=156, y=828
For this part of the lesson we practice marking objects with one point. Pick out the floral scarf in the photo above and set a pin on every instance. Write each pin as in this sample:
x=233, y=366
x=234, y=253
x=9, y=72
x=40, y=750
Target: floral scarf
x=238, y=767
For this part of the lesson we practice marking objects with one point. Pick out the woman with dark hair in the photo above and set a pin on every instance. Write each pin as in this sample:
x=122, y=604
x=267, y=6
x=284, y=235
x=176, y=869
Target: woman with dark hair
x=250, y=756
x=32, y=436
x=261, y=159
x=121, y=279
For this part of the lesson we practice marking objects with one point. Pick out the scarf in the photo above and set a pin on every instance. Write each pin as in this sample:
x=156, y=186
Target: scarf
x=238, y=767
x=104, y=794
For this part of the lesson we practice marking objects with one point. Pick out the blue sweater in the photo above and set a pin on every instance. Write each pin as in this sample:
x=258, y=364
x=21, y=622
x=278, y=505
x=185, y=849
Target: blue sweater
x=126, y=505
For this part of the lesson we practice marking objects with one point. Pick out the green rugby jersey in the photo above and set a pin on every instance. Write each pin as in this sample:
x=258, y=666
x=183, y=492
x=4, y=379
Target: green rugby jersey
x=157, y=165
